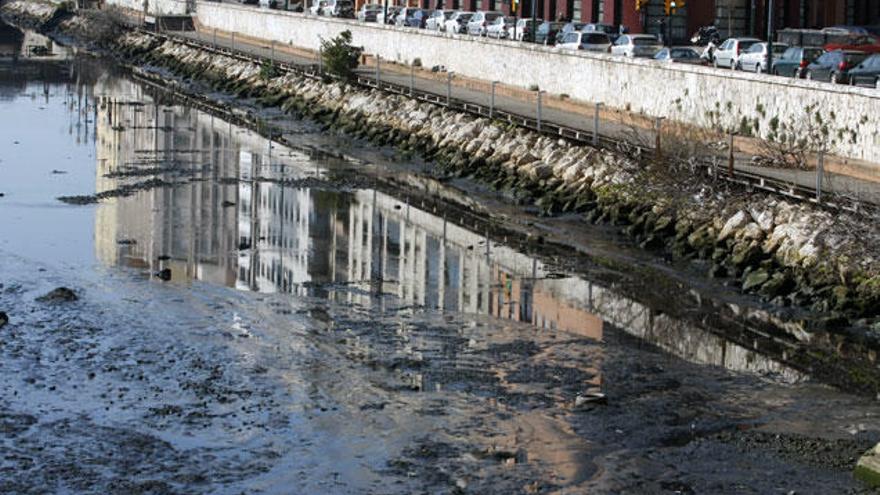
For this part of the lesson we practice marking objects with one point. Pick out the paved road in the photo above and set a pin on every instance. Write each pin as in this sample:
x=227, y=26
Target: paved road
x=832, y=182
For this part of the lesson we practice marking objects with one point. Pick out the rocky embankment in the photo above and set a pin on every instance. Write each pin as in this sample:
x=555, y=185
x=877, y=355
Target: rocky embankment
x=791, y=254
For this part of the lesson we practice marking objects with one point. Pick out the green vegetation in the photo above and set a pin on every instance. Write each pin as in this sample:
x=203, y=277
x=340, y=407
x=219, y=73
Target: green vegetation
x=340, y=57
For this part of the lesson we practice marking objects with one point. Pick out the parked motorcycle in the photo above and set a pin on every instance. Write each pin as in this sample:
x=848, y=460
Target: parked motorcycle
x=706, y=35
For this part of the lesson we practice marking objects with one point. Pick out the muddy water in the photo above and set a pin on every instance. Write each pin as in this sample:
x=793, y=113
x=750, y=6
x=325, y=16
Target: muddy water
x=262, y=318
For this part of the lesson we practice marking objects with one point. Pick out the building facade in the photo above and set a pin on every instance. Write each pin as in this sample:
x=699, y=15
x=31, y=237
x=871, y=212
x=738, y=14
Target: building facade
x=732, y=17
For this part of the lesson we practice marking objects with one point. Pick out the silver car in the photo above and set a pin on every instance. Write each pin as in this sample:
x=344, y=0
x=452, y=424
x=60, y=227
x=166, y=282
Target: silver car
x=437, y=20
x=499, y=27
x=480, y=21
x=636, y=45
x=755, y=58
x=457, y=23
x=727, y=55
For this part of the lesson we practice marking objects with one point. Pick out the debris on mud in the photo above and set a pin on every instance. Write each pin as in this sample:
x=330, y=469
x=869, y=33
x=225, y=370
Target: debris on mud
x=4, y=319
x=60, y=294
x=164, y=274
x=842, y=453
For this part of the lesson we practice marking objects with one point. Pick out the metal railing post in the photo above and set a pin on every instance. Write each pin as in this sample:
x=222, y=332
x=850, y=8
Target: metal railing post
x=215, y=38
x=272, y=50
x=820, y=171
x=539, y=110
x=233, y=41
x=596, y=125
x=412, y=78
x=320, y=60
x=730, y=155
x=492, y=101
x=449, y=87
x=658, y=122
x=378, y=69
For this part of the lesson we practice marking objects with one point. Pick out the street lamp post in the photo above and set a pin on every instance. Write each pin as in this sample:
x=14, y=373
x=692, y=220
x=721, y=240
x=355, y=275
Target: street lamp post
x=534, y=13
x=669, y=23
x=770, y=37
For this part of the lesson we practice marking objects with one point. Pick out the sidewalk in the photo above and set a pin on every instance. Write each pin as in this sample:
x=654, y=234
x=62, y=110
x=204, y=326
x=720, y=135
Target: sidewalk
x=861, y=186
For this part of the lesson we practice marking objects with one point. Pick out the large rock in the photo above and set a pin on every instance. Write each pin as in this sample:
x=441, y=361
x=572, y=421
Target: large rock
x=733, y=224
x=868, y=467
x=61, y=294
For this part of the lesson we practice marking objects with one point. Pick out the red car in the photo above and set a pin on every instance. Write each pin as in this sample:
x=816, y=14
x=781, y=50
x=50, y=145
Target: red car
x=862, y=43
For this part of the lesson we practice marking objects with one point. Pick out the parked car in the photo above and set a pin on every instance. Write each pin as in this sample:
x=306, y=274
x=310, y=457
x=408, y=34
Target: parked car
x=727, y=55
x=437, y=19
x=369, y=12
x=636, y=45
x=794, y=60
x=523, y=29
x=547, y=31
x=834, y=66
x=339, y=8
x=680, y=54
x=568, y=28
x=755, y=58
x=865, y=43
x=317, y=8
x=381, y=18
x=867, y=72
x=592, y=42
x=412, y=17
x=480, y=21
x=457, y=23
x=597, y=27
x=498, y=28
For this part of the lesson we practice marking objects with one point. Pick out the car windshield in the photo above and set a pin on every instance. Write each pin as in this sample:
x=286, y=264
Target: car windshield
x=644, y=41
x=812, y=54
x=777, y=49
x=465, y=17
x=855, y=58
x=604, y=28
x=684, y=53
x=492, y=16
x=447, y=15
x=745, y=45
x=594, y=39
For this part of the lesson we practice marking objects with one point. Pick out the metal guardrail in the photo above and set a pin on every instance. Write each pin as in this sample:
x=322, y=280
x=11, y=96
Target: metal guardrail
x=713, y=169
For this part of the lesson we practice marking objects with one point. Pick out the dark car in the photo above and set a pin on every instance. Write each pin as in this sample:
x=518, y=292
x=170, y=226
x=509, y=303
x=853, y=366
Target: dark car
x=568, y=28
x=834, y=66
x=866, y=73
x=596, y=27
x=794, y=60
x=410, y=17
x=547, y=32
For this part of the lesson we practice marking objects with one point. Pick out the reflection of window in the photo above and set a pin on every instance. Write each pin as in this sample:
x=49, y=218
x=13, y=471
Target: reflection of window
x=576, y=10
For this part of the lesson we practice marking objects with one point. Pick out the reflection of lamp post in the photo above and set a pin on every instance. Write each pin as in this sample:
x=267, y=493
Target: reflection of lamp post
x=669, y=22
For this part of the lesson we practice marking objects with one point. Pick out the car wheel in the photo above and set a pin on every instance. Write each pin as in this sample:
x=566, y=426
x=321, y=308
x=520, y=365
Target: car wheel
x=835, y=78
x=808, y=76
x=877, y=83
x=775, y=72
x=715, y=63
x=758, y=69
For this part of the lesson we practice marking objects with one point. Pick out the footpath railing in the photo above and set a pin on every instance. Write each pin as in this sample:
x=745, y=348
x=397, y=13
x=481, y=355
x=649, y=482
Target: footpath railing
x=716, y=168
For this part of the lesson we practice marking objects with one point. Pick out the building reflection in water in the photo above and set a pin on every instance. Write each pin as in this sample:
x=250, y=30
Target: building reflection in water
x=240, y=216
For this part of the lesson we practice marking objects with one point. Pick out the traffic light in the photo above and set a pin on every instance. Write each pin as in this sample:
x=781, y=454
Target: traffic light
x=672, y=5
x=640, y=4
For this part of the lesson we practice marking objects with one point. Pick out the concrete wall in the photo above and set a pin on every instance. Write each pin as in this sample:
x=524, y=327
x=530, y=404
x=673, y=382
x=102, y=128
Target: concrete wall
x=154, y=7
x=694, y=95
